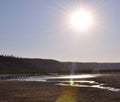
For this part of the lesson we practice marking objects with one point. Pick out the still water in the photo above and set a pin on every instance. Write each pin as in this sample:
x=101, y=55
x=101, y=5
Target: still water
x=71, y=80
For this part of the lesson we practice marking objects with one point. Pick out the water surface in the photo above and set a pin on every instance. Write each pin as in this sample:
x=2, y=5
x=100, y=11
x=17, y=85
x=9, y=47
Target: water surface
x=71, y=80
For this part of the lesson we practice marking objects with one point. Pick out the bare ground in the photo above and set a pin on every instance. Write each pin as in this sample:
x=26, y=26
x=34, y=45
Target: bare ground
x=15, y=91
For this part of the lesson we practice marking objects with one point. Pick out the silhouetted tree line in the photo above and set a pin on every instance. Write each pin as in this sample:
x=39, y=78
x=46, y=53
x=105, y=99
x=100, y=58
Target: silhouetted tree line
x=13, y=64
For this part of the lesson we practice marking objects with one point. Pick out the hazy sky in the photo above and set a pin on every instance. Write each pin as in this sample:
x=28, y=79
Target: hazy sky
x=41, y=29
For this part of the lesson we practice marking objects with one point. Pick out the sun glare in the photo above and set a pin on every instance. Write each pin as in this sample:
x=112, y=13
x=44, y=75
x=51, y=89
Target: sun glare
x=71, y=82
x=81, y=20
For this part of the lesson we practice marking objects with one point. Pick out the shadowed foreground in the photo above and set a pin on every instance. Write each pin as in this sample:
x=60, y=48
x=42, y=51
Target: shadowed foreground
x=15, y=91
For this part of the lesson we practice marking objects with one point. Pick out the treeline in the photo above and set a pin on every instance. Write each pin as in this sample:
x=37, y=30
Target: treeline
x=13, y=64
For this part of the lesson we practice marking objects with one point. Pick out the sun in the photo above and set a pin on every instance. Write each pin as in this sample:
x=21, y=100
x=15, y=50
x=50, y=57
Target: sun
x=81, y=19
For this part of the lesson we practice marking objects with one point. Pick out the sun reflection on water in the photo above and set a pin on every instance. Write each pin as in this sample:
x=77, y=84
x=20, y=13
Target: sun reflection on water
x=71, y=82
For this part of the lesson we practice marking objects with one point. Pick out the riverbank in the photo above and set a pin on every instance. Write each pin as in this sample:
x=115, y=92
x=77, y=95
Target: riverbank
x=18, y=91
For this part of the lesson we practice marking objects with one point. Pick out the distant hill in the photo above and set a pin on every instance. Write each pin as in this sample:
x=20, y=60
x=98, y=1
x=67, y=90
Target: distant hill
x=11, y=64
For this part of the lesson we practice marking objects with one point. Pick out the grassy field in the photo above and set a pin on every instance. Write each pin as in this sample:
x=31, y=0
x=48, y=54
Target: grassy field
x=15, y=91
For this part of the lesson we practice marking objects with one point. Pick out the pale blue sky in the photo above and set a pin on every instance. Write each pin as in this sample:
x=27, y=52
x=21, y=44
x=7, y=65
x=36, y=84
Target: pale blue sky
x=40, y=29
